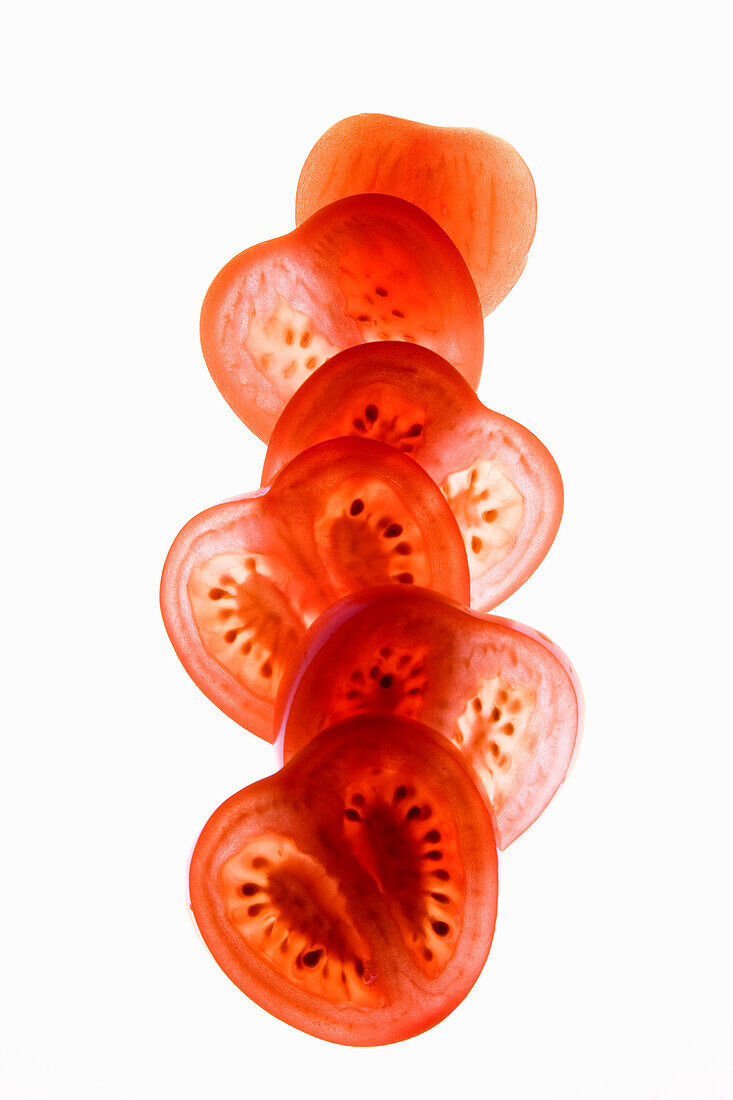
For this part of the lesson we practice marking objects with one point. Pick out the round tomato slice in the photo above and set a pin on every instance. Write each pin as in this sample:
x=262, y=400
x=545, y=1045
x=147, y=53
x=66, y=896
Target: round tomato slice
x=501, y=483
x=476, y=186
x=243, y=580
x=353, y=894
x=370, y=267
x=503, y=693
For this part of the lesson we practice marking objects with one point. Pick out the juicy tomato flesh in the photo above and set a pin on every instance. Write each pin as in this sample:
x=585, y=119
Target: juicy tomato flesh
x=353, y=894
x=244, y=580
x=476, y=186
x=367, y=268
x=500, y=481
x=505, y=695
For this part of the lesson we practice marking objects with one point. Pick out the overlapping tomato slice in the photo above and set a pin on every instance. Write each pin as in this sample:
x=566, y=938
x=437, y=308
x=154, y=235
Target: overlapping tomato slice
x=503, y=693
x=353, y=894
x=476, y=186
x=370, y=267
x=244, y=580
x=501, y=483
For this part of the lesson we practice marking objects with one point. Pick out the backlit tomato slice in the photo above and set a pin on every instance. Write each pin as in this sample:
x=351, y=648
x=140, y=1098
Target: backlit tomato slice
x=244, y=579
x=501, y=483
x=353, y=894
x=370, y=267
x=476, y=186
x=503, y=693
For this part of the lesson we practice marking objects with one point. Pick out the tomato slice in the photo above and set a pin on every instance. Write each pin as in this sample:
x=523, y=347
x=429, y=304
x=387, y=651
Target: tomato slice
x=476, y=186
x=370, y=267
x=244, y=579
x=505, y=694
x=501, y=483
x=353, y=894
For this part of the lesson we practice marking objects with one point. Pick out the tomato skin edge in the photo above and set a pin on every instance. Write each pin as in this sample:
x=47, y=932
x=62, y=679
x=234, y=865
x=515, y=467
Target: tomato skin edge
x=216, y=684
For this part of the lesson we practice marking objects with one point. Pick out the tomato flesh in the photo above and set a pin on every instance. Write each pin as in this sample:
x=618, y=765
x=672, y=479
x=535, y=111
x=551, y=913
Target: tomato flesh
x=244, y=580
x=353, y=894
x=476, y=186
x=367, y=268
x=500, y=481
x=502, y=693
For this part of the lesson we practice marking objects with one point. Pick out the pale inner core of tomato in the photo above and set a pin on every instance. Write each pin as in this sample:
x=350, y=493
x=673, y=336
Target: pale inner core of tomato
x=493, y=734
x=489, y=510
x=364, y=543
x=285, y=346
x=293, y=913
x=411, y=851
x=244, y=620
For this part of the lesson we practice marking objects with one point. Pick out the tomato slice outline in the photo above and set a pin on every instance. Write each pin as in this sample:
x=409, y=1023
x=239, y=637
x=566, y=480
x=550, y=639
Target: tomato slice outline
x=502, y=483
x=476, y=186
x=369, y=267
x=505, y=694
x=244, y=579
x=353, y=894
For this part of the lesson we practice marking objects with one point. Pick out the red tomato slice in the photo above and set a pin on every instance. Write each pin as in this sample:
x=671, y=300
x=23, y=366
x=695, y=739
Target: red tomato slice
x=505, y=694
x=371, y=267
x=476, y=186
x=501, y=483
x=353, y=894
x=244, y=579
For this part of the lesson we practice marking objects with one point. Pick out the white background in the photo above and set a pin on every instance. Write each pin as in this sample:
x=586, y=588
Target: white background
x=145, y=145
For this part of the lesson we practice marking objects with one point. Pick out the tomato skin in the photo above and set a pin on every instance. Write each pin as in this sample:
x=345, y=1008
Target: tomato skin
x=296, y=548
x=303, y=806
x=368, y=267
x=420, y=404
x=423, y=656
x=475, y=185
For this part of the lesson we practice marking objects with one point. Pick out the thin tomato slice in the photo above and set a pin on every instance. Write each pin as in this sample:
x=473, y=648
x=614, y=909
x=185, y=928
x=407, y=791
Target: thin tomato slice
x=244, y=579
x=370, y=267
x=505, y=694
x=501, y=483
x=476, y=186
x=353, y=894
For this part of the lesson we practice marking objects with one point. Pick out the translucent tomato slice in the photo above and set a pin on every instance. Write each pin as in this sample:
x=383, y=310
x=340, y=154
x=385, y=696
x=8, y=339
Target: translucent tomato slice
x=244, y=579
x=501, y=483
x=370, y=267
x=504, y=694
x=353, y=894
x=476, y=186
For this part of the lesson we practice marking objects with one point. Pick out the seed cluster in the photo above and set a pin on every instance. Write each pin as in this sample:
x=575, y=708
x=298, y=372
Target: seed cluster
x=408, y=840
x=494, y=732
